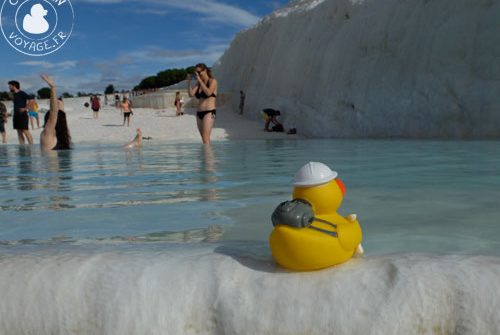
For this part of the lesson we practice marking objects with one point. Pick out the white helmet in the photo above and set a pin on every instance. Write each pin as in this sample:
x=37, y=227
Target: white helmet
x=313, y=173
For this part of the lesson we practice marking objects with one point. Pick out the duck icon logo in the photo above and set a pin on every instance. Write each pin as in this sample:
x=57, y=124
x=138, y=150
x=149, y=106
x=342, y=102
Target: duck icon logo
x=36, y=27
x=35, y=22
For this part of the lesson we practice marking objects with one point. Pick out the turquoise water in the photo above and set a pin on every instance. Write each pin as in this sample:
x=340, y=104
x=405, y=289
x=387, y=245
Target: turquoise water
x=172, y=239
x=432, y=196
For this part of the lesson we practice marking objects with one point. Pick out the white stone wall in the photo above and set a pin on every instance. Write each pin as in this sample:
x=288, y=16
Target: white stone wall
x=165, y=99
x=373, y=68
x=161, y=100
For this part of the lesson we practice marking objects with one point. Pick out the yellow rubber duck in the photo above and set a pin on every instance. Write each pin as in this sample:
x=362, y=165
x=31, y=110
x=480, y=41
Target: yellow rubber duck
x=308, y=232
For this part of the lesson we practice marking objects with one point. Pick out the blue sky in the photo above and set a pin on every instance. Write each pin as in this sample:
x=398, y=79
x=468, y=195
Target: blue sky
x=120, y=42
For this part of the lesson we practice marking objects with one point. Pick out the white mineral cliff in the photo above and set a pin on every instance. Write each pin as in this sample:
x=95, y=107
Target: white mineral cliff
x=373, y=68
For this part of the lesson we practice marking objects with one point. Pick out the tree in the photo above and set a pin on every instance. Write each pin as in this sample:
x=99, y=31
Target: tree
x=5, y=96
x=44, y=93
x=170, y=77
x=110, y=89
x=165, y=78
x=66, y=95
x=147, y=83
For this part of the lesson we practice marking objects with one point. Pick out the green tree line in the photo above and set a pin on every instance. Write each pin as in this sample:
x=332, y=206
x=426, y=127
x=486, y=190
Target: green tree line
x=43, y=93
x=5, y=96
x=164, y=78
x=161, y=79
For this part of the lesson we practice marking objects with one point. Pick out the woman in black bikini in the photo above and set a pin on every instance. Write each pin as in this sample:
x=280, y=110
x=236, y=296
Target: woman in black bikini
x=55, y=135
x=206, y=91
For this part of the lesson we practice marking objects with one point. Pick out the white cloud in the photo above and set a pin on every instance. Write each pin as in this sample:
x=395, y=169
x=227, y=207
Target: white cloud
x=126, y=70
x=214, y=11
x=148, y=11
x=99, y=1
x=48, y=65
x=211, y=10
x=164, y=58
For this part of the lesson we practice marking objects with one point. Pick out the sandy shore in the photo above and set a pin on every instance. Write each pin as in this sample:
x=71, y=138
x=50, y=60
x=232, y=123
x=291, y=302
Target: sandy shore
x=160, y=125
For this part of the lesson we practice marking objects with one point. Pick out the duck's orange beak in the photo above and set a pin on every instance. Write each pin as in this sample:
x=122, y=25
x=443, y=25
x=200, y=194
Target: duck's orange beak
x=340, y=185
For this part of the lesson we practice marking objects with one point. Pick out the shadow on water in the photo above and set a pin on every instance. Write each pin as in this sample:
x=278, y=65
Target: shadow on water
x=251, y=255
x=208, y=171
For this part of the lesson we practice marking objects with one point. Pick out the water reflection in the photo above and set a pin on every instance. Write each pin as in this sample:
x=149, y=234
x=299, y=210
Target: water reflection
x=4, y=156
x=209, y=173
x=99, y=160
x=59, y=171
x=4, y=171
x=25, y=178
x=133, y=156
